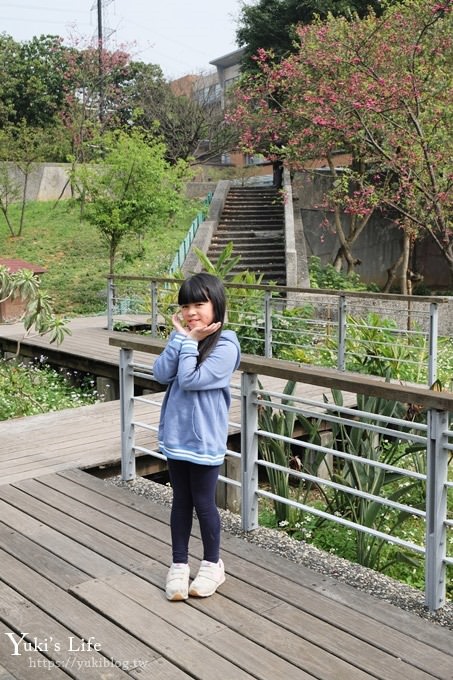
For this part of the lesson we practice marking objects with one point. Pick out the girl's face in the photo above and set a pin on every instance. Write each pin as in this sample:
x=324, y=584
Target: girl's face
x=198, y=314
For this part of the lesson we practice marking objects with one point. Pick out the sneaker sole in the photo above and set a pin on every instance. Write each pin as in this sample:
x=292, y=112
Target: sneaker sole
x=177, y=597
x=195, y=593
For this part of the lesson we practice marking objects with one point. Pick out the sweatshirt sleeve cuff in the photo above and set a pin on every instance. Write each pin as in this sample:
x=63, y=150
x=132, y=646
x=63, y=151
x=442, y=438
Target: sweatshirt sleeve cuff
x=189, y=346
x=177, y=340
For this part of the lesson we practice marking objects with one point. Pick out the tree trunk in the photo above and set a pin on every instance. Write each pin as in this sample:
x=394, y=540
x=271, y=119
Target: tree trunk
x=391, y=273
x=403, y=278
x=8, y=221
x=24, y=200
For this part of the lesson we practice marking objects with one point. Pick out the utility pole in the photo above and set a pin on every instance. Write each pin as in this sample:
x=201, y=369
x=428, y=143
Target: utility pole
x=100, y=63
x=101, y=40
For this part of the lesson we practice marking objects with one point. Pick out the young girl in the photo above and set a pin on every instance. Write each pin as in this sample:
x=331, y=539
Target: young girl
x=197, y=364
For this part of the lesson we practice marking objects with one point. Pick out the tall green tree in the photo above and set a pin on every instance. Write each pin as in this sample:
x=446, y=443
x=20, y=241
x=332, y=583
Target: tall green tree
x=271, y=24
x=132, y=190
x=32, y=82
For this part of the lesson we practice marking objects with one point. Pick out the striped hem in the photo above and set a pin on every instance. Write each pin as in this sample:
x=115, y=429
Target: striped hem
x=192, y=456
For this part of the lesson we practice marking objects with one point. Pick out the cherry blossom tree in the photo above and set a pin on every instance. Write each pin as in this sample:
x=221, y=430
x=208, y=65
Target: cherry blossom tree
x=379, y=89
x=94, y=90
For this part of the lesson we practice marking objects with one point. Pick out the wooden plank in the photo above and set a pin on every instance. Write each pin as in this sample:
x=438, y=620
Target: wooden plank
x=95, y=552
x=326, y=653
x=381, y=612
x=17, y=667
x=282, y=641
x=179, y=647
x=49, y=565
x=60, y=646
x=324, y=378
x=332, y=639
x=5, y=674
x=344, y=619
x=246, y=605
x=80, y=556
x=149, y=517
x=116, y=643
x=54, y=441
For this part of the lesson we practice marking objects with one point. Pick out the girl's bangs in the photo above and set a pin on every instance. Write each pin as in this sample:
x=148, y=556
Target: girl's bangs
x=192, y=291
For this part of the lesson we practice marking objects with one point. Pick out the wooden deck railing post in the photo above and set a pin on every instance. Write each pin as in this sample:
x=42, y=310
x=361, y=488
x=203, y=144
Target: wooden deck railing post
x=127, y=415
x=436, y=509
x=249, y=452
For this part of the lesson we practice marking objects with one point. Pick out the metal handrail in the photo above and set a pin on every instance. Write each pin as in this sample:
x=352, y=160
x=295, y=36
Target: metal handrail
x=260, y=316
x=435, y=437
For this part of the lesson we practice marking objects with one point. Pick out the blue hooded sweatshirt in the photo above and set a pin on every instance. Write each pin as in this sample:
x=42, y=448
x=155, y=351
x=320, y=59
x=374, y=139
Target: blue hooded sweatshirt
x=194, y=417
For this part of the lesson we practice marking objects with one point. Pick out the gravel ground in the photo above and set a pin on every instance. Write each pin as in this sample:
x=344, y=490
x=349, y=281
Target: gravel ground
x=359, y=577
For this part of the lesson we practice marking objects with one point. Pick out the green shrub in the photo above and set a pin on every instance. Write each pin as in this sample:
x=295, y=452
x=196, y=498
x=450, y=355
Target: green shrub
x=26, y=390
x=326, y=276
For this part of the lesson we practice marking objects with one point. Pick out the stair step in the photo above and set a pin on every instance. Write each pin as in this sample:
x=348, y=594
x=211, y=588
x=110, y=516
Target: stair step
x=270, y=213
x=268, y=271
x=254, y=205
x=250, y=243
x=253, y=220
x=270, y=256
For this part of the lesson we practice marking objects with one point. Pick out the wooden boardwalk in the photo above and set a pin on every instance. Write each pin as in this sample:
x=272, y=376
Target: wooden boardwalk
x=88, y=436
x=86, y=349
x=83, y=565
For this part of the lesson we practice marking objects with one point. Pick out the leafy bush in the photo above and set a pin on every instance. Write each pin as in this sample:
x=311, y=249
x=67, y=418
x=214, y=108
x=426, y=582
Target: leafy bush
x=326, y=276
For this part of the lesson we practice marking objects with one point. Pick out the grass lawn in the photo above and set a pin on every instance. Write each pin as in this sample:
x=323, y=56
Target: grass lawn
x=75, y=257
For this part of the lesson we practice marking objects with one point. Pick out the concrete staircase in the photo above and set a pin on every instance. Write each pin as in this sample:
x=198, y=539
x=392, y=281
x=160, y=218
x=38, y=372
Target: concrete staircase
x=253, y=219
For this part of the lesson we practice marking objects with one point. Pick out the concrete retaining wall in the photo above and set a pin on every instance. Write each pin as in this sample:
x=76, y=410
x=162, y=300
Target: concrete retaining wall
x=46, y=181
x=377, y=248
x=50, y=181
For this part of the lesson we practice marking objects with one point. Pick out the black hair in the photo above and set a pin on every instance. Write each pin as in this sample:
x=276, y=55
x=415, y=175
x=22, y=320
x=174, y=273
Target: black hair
x=202, y=288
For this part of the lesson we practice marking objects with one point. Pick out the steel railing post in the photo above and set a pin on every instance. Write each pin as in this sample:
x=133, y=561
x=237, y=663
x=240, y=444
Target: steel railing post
x=110, y=293
x=249, y=452
x=127, y=415
x=436, y=509
x=432, y=341
x=341, y=357
x=268, y=325
x=154, y=309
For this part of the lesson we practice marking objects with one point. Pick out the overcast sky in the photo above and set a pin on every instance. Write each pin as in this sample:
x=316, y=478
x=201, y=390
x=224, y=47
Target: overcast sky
x=182, y=36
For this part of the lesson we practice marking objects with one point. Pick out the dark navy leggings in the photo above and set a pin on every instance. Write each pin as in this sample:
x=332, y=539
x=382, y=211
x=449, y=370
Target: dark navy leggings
x=194, y=487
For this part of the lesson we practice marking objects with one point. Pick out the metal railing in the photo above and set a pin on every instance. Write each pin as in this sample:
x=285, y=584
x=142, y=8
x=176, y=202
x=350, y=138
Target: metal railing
x=413, y=420
x=184, y=248
x=365, y=332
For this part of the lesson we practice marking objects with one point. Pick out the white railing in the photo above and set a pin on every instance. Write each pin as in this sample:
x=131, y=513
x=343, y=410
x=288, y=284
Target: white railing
x=413, y=423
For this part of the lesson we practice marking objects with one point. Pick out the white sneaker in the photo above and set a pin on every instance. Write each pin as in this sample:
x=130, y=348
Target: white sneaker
x=210, y=576
x=177, y=583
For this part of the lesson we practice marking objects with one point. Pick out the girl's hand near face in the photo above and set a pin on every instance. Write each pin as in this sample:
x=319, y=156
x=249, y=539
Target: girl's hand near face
x=177, y=324
x=200, y=333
